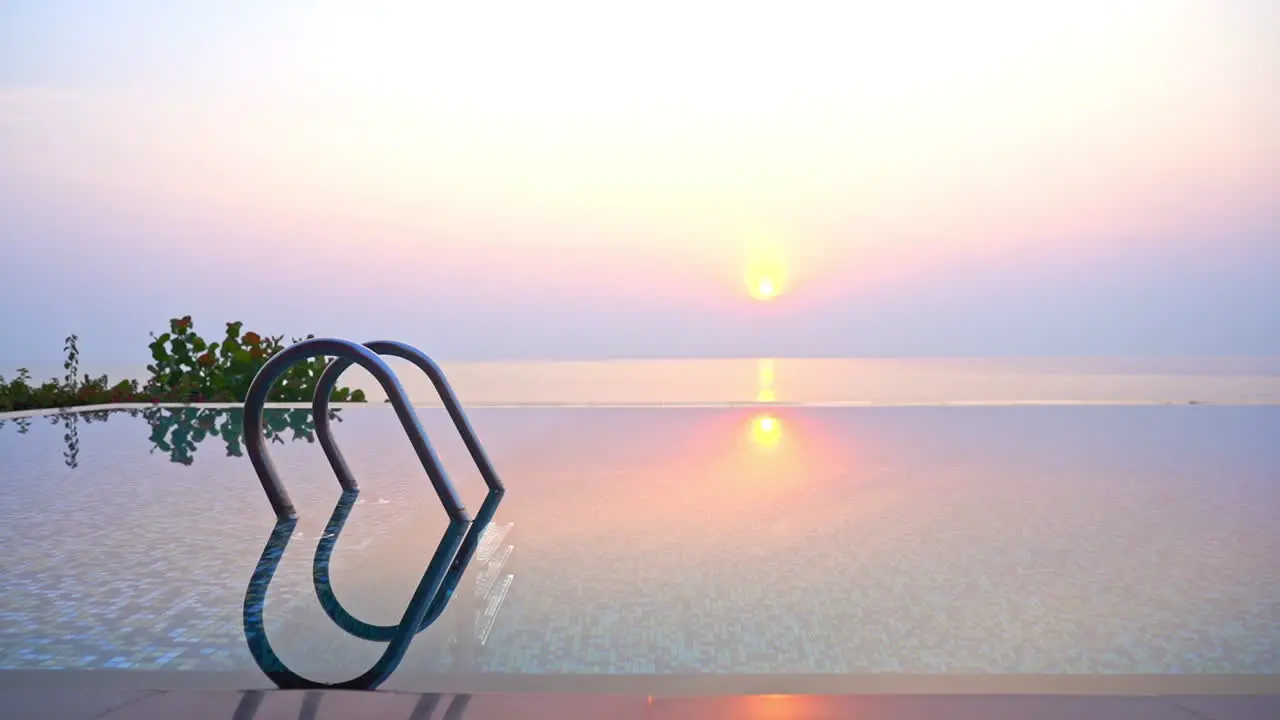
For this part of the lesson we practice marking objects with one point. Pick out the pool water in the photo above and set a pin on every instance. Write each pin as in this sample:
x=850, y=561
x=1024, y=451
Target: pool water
x=665, y=543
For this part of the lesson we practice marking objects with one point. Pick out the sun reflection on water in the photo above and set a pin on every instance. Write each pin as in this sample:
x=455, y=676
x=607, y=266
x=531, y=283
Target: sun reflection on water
x=766, y=392
x=766, y=430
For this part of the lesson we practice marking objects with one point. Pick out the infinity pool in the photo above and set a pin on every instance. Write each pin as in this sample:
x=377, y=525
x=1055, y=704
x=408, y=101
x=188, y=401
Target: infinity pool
x=741, y=548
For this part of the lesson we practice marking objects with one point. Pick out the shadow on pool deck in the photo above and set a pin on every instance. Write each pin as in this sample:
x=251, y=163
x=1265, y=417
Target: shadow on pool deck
x=115, y=704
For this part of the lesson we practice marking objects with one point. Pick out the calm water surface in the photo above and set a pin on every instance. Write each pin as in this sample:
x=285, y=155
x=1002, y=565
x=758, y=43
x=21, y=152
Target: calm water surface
x=670, y=542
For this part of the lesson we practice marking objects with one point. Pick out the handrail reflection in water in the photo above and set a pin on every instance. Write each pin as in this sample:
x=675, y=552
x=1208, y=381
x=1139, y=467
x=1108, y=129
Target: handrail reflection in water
x=424, y=596
x=424, y=709
x=384, y=633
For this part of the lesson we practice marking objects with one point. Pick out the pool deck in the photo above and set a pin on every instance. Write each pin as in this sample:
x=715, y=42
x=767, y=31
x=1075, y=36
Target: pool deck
x=118, y=704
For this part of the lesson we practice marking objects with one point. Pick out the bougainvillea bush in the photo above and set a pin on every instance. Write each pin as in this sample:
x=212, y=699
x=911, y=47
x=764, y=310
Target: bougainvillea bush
x=185, y=368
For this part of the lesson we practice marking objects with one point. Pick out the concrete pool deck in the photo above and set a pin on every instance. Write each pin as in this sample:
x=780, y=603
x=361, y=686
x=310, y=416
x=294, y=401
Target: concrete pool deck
x=119, y=704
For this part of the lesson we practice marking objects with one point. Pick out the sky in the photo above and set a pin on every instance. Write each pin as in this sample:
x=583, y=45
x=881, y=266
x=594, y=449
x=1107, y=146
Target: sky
x=583, y=180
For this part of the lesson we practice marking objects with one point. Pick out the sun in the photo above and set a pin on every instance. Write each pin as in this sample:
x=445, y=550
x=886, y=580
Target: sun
x=766, y=278
x=765, y=289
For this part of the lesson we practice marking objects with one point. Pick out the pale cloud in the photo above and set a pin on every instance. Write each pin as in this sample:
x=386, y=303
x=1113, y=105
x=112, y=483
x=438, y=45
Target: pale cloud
x=26, y=104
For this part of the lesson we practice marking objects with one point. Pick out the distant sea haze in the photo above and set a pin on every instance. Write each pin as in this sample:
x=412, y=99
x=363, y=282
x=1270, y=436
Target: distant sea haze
x=833, y=381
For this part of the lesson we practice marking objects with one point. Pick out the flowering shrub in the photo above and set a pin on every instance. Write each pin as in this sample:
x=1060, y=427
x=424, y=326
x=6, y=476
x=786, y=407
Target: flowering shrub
x=20, y=394
x=186, y=368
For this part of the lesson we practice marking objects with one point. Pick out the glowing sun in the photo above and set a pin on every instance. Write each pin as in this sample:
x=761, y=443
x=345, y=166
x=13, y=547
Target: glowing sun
x=765, y=288
x=767, y=272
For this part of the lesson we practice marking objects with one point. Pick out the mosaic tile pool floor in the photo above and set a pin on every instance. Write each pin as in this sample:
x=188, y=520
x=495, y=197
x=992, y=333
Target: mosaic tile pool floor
x=667, y=542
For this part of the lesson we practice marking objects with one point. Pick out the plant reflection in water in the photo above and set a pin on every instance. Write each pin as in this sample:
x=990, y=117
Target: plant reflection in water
x=178, y=431
x=70, y=423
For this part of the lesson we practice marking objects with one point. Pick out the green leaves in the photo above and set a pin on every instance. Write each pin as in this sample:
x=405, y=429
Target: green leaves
x=223, y=371
x=72, y=363
x=185, y=368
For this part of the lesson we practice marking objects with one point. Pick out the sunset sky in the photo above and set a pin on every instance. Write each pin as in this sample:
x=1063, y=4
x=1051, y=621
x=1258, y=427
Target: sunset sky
x=575, y=179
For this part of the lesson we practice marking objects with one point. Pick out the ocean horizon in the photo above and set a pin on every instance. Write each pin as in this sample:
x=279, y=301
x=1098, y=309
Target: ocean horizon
x=822, y=381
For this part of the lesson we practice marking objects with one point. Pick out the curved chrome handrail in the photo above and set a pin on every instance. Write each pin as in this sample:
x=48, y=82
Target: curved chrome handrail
x=348, y=352
x=384, y=633
x=423, y=598
x=329, y=380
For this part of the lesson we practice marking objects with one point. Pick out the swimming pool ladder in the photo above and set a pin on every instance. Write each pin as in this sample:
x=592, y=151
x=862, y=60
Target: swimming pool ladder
x=456, y=547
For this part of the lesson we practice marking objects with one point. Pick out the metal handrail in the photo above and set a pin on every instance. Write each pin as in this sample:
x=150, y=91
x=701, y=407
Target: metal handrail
x=344, y=350
x=451, y=557
x=329, y=380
